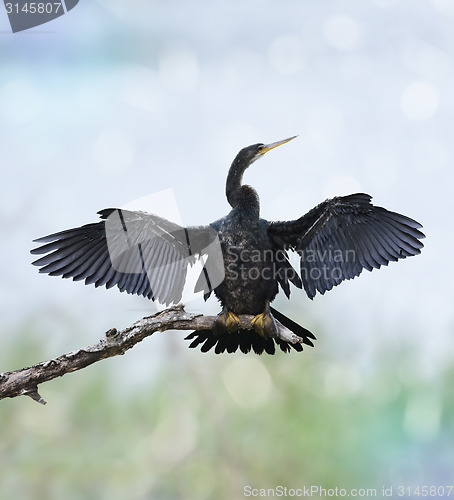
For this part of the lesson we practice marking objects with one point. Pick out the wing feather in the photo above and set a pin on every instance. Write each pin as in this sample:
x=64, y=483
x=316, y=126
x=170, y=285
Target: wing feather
x=139, y=253
x=344, y=235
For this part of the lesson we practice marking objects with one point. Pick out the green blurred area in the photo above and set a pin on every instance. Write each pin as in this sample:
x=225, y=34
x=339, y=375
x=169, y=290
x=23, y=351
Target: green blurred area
x=208, y=426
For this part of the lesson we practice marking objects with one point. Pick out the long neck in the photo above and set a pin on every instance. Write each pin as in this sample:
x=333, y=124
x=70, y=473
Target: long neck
x=238, y=195
x=234, y=180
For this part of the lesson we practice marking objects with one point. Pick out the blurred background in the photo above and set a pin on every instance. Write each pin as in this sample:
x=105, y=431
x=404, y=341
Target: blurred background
x=119, y=99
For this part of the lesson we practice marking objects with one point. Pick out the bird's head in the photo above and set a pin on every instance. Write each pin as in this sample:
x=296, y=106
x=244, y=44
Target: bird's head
x=250, y=154
x=237, y=193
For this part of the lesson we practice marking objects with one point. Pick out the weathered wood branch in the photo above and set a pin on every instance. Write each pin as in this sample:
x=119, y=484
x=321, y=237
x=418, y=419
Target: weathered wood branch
x=26, y=380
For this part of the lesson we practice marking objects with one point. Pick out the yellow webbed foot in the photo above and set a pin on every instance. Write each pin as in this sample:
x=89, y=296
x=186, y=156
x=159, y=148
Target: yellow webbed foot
x=226, y=321
x=265, y=324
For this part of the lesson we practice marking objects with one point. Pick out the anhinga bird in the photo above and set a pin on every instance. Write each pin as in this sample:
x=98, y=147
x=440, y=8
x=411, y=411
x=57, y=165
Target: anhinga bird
x=244, y=257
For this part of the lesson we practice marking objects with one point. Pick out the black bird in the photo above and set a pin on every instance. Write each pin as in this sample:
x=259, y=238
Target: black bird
x=244, y=257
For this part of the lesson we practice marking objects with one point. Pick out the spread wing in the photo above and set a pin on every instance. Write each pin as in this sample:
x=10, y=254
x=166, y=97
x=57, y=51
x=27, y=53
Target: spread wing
x=339, y=238
x=138, y=252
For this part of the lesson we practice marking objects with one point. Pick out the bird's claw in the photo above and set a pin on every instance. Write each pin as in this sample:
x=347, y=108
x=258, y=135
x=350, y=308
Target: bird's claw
x=226, y=321
x=265, y=324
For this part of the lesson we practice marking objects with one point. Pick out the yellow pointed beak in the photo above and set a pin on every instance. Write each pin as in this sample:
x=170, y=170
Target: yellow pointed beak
x=268, y=147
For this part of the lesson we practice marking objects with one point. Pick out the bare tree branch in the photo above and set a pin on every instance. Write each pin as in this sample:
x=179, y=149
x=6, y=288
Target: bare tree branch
x=26, y=380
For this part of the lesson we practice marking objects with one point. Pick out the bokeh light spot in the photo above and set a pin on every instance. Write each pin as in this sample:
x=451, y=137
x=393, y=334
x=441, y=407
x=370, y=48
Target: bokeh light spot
x=248, y=382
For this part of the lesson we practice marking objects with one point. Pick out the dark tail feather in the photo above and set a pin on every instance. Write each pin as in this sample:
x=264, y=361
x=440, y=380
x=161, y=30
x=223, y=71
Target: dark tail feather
x=230, y=342
x=295, y=328
x=248, y=340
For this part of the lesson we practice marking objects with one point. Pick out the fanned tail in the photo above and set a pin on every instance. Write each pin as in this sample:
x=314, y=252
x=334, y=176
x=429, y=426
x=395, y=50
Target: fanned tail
x=247, y=340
